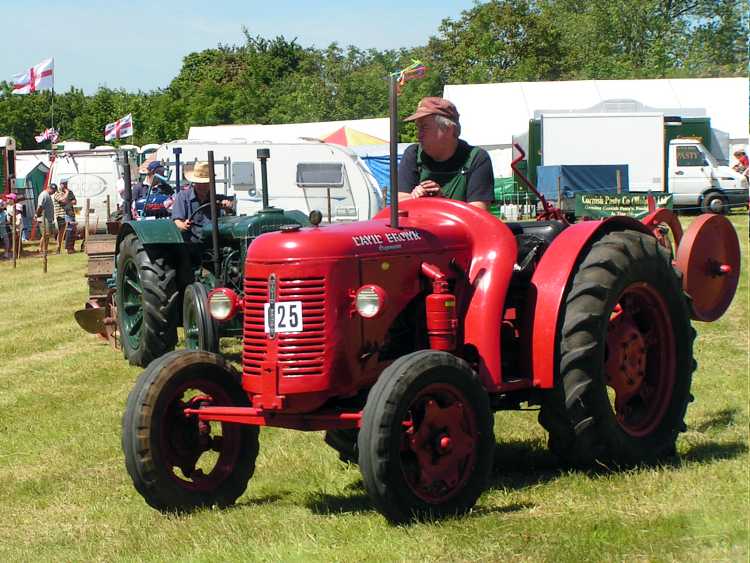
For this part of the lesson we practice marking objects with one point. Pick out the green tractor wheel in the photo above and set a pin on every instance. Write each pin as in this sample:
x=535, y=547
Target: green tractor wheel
x=147, y=300
x=200, y=329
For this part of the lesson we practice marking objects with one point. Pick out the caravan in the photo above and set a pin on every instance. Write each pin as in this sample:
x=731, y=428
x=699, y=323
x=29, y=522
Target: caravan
x=303, y=175
x=95, y=175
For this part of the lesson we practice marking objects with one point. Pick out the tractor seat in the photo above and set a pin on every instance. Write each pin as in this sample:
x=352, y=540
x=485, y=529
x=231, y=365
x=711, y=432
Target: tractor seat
x=533, y=238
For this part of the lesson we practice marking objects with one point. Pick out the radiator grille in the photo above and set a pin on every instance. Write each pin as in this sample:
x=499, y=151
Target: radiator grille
x=297, y=354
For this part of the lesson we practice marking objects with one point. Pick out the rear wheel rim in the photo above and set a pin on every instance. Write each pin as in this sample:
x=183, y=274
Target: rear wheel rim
x=640, y=360
x=439, y=445
x=131, y=309
x=198, y=456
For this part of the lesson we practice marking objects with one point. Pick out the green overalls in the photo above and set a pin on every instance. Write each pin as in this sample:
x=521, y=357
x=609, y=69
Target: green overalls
x=453, y=183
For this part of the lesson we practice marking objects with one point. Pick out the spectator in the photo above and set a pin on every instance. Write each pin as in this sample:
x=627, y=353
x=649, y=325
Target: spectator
x=45, y=208
x=743, y=164
x=4, y=230
x=68, y=202
x=442, y=164
x=57, y=202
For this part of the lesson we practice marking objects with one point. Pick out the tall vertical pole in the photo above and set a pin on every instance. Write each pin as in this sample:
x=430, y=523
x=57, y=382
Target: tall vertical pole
x=177, y=151
x=214, y=212
x=393, y=145
x=263, y=155
x=127, y=195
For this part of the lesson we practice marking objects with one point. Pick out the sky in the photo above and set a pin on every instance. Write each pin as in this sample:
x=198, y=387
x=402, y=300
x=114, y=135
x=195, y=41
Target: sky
x=139, y=45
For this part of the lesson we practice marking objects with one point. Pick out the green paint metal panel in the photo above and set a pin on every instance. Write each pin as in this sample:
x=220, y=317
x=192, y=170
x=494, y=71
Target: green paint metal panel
x=248, y=227
x=692, y=127
x=534, y=156
x=156, y=231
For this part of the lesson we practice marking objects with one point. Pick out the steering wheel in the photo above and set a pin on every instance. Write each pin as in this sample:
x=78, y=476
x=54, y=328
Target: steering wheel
x=200, y=208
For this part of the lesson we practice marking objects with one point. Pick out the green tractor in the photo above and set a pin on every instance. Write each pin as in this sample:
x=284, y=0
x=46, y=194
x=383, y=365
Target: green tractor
x=145, y=280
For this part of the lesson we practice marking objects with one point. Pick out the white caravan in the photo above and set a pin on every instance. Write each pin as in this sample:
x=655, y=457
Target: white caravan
x=301, y=175
x=92, y=174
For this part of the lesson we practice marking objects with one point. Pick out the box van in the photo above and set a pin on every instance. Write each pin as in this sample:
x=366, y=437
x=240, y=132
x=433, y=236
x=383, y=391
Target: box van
x=646, y=143
x=301, y=175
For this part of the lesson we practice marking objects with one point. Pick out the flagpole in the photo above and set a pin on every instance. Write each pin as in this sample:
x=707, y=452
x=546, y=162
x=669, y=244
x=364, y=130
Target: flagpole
x=53, y=108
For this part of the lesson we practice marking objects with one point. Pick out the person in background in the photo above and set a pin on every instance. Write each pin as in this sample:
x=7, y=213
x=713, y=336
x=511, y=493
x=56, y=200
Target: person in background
x=45, y=208
x=57, y=202
x=4, y=230
x=68, y=201
x=187, y=202
x=743, y=163
x=442, y=164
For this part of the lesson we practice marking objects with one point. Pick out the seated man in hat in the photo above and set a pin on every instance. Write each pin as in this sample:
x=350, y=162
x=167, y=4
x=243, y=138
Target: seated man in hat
x=442, y=164
x=187, y=202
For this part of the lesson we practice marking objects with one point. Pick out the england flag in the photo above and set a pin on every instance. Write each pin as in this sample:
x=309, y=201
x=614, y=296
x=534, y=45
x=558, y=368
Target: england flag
x=37, y=78
x=119, y=129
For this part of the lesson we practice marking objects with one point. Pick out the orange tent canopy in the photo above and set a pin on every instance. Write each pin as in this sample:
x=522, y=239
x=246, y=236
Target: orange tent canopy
x=349, y=137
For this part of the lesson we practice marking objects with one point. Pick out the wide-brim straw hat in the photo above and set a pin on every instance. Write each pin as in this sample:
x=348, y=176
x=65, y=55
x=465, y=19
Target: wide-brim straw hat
x=198, y=174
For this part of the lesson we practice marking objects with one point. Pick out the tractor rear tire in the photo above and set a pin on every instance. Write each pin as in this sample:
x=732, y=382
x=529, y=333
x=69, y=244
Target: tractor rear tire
x=147, y=303
x=625, y=357
x=201, y=332
x=163, y=448
x=426, y=442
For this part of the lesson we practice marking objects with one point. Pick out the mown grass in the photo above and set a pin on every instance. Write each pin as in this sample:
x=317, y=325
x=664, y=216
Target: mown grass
x=65, y=494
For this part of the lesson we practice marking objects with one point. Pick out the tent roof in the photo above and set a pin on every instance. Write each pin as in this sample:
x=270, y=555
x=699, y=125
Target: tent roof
x=288, y=132
x=491, y=114
x=25, y=163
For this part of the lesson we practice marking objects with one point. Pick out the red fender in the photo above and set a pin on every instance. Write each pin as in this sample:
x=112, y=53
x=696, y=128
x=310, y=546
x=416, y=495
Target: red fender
x=493, y=249
x=549, y=284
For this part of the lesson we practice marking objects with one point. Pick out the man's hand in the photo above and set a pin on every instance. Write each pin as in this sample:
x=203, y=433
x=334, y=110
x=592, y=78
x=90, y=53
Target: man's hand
x=183, y=224
x=425, y=188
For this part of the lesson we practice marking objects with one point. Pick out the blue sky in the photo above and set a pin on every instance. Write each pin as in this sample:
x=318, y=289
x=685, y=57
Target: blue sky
x=136, y=44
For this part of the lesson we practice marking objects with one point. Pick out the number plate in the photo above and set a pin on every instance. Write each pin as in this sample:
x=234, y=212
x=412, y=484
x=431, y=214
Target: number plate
x=285, y=317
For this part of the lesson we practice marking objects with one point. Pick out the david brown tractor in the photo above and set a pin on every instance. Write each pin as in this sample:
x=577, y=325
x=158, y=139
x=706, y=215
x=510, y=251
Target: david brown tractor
x=145, y=280
x=401, y=336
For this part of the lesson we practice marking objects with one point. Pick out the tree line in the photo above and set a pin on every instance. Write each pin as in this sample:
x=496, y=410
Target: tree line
x=277, y=80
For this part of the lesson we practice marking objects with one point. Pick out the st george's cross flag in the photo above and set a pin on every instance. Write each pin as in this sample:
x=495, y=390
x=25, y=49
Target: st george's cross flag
x=37, y=78
x=121, y=128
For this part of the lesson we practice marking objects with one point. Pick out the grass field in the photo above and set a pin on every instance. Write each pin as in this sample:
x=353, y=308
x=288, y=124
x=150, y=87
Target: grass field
x=65, y=494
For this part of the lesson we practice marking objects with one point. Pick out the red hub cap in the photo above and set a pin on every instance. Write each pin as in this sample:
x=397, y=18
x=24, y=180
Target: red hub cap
x=438, y=452
x=198, y=455
x=640, y=359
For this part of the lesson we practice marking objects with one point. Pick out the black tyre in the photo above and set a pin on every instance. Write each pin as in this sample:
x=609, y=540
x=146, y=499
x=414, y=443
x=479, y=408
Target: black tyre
x=344, y=441
x=714, y=202
x=147, y=301
x=625, y=357
x=200, y=329
x=176, y=462
x=426, y=442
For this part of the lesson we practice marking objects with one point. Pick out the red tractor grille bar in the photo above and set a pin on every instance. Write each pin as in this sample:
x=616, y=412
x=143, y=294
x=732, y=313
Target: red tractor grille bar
x=297, y=354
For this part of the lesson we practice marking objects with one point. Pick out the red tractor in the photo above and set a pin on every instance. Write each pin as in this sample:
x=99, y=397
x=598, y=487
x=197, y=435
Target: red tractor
x=401, y=336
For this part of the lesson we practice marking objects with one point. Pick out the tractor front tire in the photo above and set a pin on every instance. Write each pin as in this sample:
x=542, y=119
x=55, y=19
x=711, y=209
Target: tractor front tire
x=200, y=329
x=426, y=443
x=147, y=301
x=178, y=463
x=625, y=356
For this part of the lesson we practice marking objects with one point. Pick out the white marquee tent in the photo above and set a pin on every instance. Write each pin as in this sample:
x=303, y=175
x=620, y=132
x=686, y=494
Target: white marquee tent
x=287, y=132
x=492, y=114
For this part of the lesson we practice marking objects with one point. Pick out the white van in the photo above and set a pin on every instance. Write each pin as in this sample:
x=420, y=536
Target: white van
x=301, y=175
